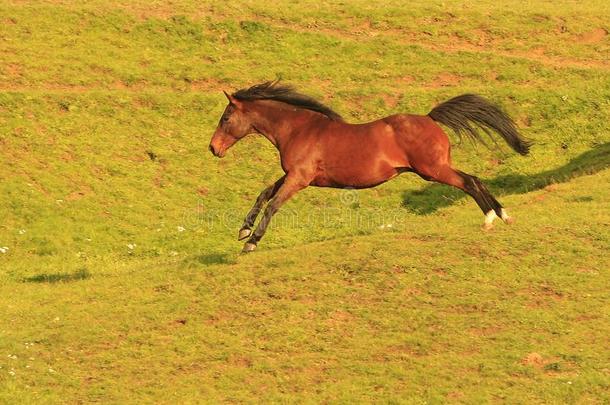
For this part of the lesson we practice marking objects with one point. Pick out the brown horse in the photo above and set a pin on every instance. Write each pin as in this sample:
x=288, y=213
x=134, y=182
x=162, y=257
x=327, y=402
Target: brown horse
x=318, y=148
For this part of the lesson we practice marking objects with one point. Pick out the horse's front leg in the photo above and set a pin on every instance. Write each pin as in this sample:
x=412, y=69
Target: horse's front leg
x=263, y=197
x=289, y=187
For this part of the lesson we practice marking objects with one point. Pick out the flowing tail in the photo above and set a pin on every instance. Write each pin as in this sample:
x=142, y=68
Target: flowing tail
x=461, y=112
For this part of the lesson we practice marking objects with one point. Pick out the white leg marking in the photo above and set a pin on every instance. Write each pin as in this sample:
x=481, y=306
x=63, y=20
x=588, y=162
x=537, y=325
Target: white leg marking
x=489, y=219
x=506, y=218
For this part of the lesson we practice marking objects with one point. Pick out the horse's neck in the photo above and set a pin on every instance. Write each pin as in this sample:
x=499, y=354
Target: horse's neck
x=277, y=121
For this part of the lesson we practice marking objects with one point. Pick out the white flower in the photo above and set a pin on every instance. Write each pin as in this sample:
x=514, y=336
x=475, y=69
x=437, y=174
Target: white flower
x=3, y=249
x=181, y=229
x=131, y=246
x=21, y=231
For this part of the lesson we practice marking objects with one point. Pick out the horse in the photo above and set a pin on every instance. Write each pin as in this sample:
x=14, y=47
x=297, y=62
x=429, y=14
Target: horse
x=318, y=148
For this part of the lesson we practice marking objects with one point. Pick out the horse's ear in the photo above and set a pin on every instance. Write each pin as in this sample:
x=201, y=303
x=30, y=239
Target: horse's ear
x=231, y=99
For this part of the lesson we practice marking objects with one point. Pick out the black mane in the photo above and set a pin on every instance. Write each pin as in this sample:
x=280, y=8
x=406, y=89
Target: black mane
x=273, y=90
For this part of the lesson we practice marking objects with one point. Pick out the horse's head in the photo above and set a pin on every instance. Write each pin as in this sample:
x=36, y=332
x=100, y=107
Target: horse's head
x=234, y=125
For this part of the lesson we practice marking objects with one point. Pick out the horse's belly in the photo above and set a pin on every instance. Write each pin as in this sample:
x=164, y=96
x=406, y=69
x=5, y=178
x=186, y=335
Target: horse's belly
x=355, y=178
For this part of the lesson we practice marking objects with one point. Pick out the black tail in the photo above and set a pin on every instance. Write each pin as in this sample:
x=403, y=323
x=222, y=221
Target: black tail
x=461, y=112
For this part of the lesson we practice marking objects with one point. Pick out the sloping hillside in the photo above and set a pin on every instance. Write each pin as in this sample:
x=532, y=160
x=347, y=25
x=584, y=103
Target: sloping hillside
x=120, y=275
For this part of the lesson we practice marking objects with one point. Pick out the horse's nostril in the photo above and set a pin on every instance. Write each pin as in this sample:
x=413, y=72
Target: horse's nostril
x=212, y=150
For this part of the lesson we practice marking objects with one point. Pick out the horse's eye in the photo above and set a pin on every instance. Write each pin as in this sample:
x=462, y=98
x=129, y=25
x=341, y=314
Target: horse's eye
x=225, y=118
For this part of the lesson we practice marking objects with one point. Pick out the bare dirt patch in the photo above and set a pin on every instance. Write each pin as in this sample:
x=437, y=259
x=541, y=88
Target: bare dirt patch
x=208, y=84
x=391, y=101
x=483, y=43
x=492, y=76
x=445, y=80
x=543, y=296
x=533, y=359
x=407, y=79
x=405, y=350
x=593, y=36
x=68, y=88
x=13, y=70
x=524, y=121
x=483, y=38
x=83, y=191
x=455, y=395
x=552, y=366
x=486, y=331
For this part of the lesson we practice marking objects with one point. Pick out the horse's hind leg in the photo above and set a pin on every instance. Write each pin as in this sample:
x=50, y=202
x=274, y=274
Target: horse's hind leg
x=474, y=187
x=491, y=207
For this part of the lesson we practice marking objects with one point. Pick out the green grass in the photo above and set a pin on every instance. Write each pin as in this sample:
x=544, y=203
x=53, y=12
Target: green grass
x=122, y=280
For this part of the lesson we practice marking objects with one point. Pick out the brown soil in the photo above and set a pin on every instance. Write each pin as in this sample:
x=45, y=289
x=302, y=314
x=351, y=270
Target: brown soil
x=533, y=359
x=593, y=36
x=83, y=191
x=445, y=80
x=390, y=101
x=484, y=44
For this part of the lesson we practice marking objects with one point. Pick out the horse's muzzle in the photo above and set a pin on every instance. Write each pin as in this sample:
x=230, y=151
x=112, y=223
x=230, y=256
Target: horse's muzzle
x=216, y=153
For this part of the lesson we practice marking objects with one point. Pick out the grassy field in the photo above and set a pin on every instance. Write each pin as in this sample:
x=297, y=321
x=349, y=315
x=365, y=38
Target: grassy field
x=120, y=274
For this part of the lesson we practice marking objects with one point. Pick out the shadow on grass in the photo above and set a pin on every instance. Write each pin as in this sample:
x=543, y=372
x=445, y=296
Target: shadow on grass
x=214, y=258
x=436, y=196
x=81, y=274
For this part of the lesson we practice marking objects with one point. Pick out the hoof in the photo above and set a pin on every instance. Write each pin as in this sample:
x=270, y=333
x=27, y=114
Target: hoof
x=507, y=220
x=489, y=219
x=248, y=247
x=487, y=227
x=244, y=233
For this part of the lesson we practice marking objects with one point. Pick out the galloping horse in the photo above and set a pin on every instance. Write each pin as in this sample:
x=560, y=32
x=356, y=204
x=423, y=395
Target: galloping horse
x=318, y=148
